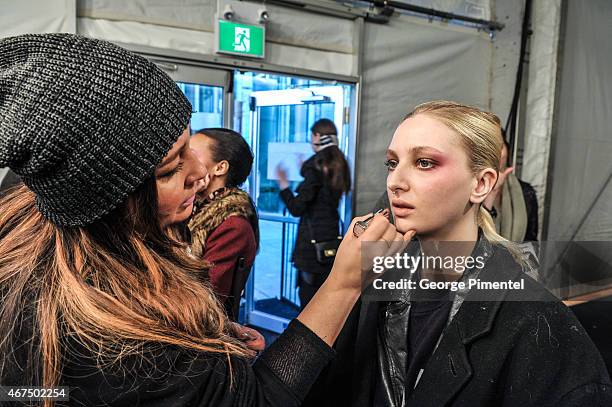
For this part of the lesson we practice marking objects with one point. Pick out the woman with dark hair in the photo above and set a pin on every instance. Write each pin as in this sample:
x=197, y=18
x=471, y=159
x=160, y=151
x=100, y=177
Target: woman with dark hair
x=224, y=227
x=95, y=293
x=326, y=177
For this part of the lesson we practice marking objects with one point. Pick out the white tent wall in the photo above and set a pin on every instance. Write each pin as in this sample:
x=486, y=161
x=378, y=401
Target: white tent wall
x=541, y=95
x=581, y=169
x=37, y=16
x=295, y=38
x=406, y=62
x=506, y=53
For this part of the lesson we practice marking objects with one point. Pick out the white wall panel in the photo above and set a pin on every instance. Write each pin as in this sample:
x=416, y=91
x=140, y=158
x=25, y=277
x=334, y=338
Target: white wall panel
x=407, y=62
x=37, y=16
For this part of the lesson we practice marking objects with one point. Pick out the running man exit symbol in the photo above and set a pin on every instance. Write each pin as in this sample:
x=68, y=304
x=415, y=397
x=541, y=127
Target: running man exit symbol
x=242, y=40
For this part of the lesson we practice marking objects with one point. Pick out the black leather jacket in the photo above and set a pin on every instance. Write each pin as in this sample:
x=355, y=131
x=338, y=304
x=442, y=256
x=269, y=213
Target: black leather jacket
x=392, y=387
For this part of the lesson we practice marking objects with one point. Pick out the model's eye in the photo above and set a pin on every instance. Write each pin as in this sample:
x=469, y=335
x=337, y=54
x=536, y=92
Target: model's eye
x=424, y=164
x=391, y=164
x=169, y=174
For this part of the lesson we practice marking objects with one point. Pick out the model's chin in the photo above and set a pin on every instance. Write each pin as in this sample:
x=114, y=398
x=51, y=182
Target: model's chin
x=404, y=225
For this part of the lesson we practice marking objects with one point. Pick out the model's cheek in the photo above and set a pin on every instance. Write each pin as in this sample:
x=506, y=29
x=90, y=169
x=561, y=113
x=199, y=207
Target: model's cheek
x=447, y=178
x=432, y=186
x=438, y=195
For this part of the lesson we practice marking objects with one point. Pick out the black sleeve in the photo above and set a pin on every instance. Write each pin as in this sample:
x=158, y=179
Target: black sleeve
x=591, y=394
x=531, y=204
x=307, y=192
x=334, y=387
x=281, y=376
x=169, y=376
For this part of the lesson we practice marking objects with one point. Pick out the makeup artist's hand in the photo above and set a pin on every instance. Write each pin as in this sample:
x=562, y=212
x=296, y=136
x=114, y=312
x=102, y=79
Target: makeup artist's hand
x=251, y=338
x=326, y=313
x=355, y=256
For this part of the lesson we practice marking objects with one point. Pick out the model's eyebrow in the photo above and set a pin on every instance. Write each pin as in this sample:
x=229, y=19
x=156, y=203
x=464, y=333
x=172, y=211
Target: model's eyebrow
x=416, y=151
x=424, y=149
x=391, y=153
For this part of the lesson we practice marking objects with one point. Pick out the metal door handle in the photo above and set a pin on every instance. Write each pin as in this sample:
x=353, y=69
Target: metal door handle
x=166, y=66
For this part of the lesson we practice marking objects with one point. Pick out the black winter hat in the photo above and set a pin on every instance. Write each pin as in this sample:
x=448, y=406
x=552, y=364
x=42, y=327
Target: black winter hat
x=83, y=122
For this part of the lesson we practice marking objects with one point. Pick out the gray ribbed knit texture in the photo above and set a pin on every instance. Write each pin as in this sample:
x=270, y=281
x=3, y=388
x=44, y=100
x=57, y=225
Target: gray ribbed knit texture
x=83, y=122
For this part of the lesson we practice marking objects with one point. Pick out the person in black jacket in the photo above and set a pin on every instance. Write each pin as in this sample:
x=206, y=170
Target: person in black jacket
x=480, y=346
x=326, y=177
x=97, y=295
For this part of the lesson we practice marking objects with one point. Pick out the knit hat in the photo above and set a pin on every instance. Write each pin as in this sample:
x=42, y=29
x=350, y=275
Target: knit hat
x=83, y=122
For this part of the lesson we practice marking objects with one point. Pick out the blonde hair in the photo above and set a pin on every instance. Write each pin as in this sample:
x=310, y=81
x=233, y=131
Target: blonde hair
x=481, y=137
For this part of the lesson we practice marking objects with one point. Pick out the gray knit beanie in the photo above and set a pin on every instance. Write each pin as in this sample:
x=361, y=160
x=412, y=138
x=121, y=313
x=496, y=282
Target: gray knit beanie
x=83, y=122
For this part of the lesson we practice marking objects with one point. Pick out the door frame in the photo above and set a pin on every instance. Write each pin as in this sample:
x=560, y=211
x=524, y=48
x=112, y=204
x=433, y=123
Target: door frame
x=231, y=64
x=183, y=71
x=292, y=97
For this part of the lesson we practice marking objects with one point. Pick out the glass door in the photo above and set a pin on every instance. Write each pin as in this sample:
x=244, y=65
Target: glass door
x=274, y=113
x=206, y=89
x=280, y=134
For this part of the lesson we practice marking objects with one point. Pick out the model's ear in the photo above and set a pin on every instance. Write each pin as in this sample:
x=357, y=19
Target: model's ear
x=221, y=168
x=485, y=181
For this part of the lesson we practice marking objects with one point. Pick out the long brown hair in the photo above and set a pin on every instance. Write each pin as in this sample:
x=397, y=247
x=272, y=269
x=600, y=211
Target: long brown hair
x=330, y=160
x=113, y=286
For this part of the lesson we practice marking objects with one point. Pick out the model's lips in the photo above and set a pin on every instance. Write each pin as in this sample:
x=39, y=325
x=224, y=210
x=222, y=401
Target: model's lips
x=401, y=208
x=398, y=203
x=189, y=201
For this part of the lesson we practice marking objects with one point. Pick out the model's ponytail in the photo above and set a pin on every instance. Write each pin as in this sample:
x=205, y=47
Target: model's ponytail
x=487, y=224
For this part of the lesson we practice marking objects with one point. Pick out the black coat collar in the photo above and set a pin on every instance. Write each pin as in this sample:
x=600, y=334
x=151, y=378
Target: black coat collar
x=449, y=368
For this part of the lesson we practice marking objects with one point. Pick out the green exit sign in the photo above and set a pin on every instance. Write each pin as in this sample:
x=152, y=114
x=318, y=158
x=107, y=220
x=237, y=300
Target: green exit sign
x=241, y=39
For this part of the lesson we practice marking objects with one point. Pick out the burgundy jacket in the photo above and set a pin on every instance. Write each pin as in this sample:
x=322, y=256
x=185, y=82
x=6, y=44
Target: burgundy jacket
x=233, y=239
